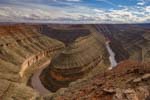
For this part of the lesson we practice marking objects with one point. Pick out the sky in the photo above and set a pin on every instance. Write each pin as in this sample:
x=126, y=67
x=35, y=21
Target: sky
x=75, y=11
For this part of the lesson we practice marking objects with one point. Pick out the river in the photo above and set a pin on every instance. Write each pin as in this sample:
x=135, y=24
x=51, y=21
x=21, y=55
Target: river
x=36, y=82
x=112, y=59
x=38, y=86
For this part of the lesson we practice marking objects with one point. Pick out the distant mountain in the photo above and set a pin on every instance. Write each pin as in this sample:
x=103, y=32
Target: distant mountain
x=146, y=25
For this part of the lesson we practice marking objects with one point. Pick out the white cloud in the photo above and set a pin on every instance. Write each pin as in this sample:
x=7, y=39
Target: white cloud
x=136, y=14
x=147, y=9
x=140, y=3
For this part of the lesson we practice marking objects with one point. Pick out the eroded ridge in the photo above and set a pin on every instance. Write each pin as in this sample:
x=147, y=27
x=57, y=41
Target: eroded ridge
x=22, y=50
x=75, y=62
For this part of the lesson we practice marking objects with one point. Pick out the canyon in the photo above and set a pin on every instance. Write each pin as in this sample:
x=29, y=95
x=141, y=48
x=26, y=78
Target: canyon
x=133, y=40
x=23, y=49
x=70, y=62
x=75, y=62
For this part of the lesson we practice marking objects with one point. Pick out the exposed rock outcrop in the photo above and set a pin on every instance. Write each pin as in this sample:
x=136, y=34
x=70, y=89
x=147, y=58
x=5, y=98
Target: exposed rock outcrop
x=75, y=62
x=16, y=91
x=118, y=84
x=22, y=50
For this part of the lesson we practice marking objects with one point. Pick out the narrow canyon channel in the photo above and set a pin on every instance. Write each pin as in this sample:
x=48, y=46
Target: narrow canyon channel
x=36, y=82
x=112, y=59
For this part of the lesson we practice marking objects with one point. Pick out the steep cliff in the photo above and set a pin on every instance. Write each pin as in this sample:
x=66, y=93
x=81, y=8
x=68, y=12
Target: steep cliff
x=25, y=47
x=64, y=33
x=21, y=50
x=128, y=41
x=75, y=62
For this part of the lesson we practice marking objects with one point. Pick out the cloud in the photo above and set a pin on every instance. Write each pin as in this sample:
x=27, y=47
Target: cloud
x=142, y=2
x=39, y=12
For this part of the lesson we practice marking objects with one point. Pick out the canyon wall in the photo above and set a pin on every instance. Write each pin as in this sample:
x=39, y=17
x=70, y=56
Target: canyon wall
x=128, y=41
x=25, y=47
x=79, y=60
x=65, y=33
x=75, y=62
x=22, y=50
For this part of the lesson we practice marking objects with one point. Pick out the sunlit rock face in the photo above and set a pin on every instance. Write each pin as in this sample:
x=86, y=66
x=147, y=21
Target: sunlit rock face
x=22, y=47
x=75, y=62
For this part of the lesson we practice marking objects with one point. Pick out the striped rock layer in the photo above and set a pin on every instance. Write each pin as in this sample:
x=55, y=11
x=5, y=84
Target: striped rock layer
x=22, y=50
x=75, y=62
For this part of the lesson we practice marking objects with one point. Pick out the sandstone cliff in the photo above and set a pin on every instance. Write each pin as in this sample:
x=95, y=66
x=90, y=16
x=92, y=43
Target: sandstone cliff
x=21, y=50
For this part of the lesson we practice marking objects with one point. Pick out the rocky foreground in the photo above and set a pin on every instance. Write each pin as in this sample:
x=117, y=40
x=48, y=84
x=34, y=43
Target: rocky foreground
x=128, y=81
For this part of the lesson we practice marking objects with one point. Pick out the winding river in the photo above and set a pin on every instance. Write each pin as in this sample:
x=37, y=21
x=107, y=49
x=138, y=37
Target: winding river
x=112, y=59
x=36, y=82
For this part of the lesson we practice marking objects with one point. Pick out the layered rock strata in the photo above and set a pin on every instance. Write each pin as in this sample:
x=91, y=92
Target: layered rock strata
x=21, y=50
x=75, y=62
x=64, y=33
x=128, y=41
x=128, y=81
